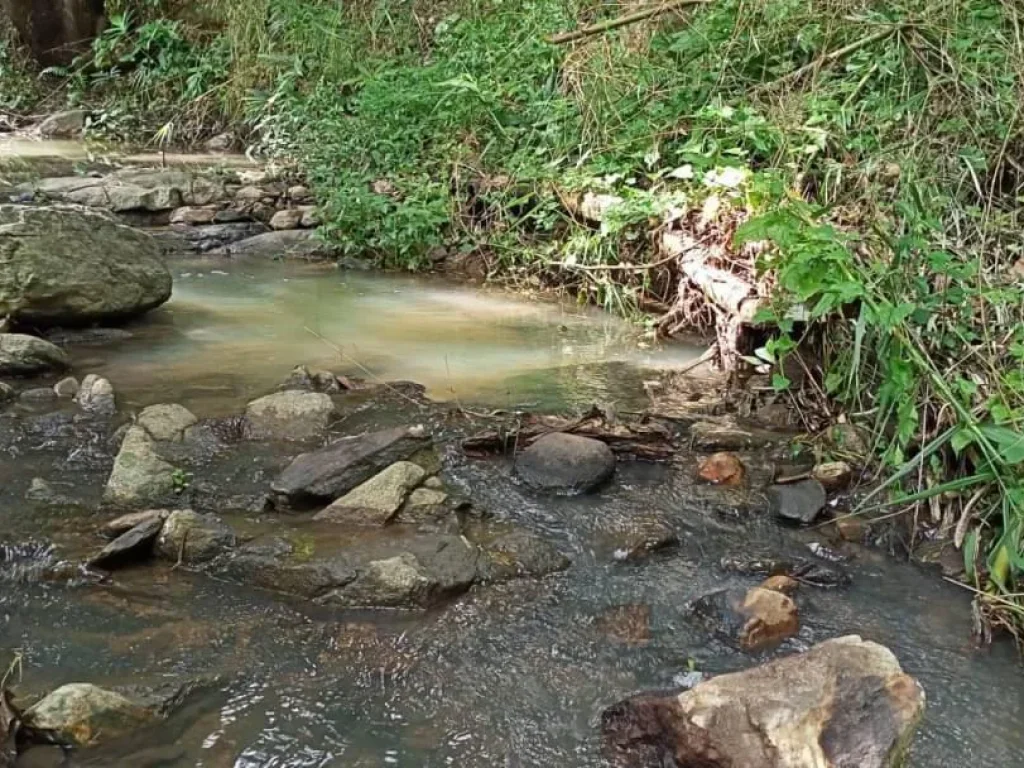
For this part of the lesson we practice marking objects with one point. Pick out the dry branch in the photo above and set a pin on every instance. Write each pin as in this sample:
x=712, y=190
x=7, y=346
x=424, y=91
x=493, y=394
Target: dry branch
x=621, y=21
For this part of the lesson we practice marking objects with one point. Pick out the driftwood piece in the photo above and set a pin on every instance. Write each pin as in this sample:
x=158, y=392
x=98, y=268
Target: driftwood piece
x=648, y=440
x=621, y=21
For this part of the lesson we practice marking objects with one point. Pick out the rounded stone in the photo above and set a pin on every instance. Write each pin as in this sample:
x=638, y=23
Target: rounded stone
x=22, y=355
x=566, y=463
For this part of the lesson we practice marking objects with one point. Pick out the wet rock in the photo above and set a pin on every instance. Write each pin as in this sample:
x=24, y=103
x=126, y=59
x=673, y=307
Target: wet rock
x=784, y=584
x=282, y=566
x=941, y=554
x=754, y=620
x=805, y=571
x=776, y=416
x=849, y=439
x=376, y=501
x=424, y=505
x=38, y=395
x=85, y=714
x=131, y=546
x=22, y=355
x=194, y=215
x=851, y=529
x=207, y=237
x=636, y=537
x=74, y=267
x=833, y=475
x=722, y=469
x=845, y=702
x=7, y=393
x=800, y=502
x=283, y=244
x=627, y=624
x=304, y=379
x=193, y=538
x=566, y=463
x=63, y=125
x=125, y=523
x=67, y=387
x=167, y=422
x=96, y=395
x=131, y=189
x=320, y=477
x=518, y=554
x=289, y=416
x=41, y=492
x=140, y=477
x=82, y=337
x=289, y=218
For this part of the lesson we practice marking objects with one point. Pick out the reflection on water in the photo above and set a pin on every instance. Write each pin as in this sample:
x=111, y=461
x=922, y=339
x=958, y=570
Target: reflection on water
x=234, y=330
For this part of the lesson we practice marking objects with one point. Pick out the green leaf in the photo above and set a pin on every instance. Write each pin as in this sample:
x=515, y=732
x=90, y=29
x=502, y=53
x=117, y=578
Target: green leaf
x=961, y=439
x=780, y=382
x=971, y=556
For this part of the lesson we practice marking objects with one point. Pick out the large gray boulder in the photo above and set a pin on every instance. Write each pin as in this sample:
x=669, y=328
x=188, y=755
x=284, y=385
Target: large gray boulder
x=140, y=477
x=22, y=355
x=318, y=478
x=846, y=702
x=71, y=267
x=85, y=714
x=566, y=463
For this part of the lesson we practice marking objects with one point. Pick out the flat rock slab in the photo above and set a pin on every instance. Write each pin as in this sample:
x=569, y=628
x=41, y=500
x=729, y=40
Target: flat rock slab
x=130, y=190
x=378, y=500
x=72, y=267
x=318, y=478
x=289, y=416
x=193, y=538
x=136, y=544
x=845, y=702
x=282, y=244
x=566, y=463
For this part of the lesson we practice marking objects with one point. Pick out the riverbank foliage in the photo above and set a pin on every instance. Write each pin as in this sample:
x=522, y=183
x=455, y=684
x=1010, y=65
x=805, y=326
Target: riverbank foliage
x=878, y=146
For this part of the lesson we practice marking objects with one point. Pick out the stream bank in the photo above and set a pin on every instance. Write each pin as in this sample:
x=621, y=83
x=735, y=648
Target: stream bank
x=496, y=669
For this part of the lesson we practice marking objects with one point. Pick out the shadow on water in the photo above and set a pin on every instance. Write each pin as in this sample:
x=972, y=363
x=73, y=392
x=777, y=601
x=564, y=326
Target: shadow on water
x=512, y=675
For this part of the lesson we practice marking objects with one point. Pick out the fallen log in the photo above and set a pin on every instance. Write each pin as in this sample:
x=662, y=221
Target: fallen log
x=640, y=439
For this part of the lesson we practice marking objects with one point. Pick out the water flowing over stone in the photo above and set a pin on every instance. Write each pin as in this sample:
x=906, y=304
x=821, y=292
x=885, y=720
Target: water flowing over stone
x=71, y=267
x=846, y=702
x=566, y=463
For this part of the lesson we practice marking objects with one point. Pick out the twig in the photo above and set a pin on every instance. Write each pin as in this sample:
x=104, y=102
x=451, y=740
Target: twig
x=709, y=354
x=621, y=21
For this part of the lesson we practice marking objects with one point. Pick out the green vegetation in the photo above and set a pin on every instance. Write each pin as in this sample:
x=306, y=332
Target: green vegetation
x=881, y=152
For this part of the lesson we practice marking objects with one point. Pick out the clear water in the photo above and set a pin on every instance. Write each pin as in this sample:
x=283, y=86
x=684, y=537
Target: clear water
x=514, y=675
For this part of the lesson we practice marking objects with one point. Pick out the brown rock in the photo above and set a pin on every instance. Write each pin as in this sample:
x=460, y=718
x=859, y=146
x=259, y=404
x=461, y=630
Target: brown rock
x=784, y=584
x=194, y=214
x=851, y=529
x=722, y=469
x=753, y=620
x=833, y=475
x=846, y=703
x=289, y=218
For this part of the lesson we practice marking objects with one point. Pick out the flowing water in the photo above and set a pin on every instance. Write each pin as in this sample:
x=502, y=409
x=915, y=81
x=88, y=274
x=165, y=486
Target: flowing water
x=510, y=675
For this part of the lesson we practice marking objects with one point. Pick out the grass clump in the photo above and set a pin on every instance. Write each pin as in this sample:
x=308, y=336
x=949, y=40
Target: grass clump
x=876, y=147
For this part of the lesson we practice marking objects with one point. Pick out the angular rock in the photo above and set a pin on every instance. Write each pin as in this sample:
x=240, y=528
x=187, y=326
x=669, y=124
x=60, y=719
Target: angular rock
x=289, y=416
x=289, y=218
x=310, y=218
x=754, y=620
x=66, y=387
x=517, y=554
x=627, y=624
x=377, y=500
x=85, y=714
x=193, y=538
x=140, y=476
x=636, y=537
x=722, y=469
x=424, y=505
x=833, y=475
x=63, y=125
x=136, y=544
x=798, y=502
x=7, y=392
x=850, y=439
x=320, y=477
x=125, y=523
x=784, y=584
x=306, y=380
x=566, y=463
x=845, y=703
x=22, y=355
x=299, y=194
x=194, y=214
x=167, y=422
x=72, y=267
x=96, y=395
x=852, y=529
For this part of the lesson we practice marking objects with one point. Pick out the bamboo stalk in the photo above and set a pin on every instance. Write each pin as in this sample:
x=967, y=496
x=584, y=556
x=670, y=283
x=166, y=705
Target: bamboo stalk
x=621, y=21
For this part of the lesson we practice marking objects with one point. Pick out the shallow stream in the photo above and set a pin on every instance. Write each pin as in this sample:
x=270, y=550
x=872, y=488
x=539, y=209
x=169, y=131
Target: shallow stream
x=514, y=675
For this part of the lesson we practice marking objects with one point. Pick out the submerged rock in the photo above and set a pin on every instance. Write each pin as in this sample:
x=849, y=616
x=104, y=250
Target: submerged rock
x=722, y=469
x=22, y=355
x=302, y=378
x=72, y=267
x=140, y=476
x=799, y=502
x=424, y=505
x=520, y=553
x=635, y=537
x=67, y=387
x=566, y=463
x=320, y=477
x=85, y=714
x=193, y=538
x=845, y=702
x=135, y=544
x=167, y=423
x=376, y=501
x=289, y=416
x=757, y=619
